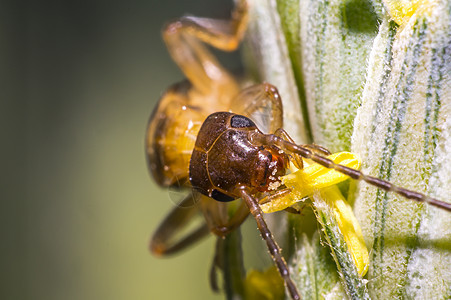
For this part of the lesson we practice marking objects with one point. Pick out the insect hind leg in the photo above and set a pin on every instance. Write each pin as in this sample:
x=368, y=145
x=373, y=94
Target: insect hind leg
x=162, y=242
x=185, y=37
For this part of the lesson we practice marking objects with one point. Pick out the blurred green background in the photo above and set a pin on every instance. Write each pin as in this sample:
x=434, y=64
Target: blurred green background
x=79, y=80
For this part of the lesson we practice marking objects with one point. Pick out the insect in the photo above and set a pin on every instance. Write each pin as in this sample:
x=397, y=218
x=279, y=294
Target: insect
x=202, y=132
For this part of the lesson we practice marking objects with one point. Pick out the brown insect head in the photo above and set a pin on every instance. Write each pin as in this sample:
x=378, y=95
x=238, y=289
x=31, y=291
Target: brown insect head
x=224, y=159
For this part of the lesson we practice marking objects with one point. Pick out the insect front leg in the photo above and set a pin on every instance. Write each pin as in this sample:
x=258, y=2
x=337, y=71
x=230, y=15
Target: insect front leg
x=273, y=200
x=259, y=101
x=217, y=216
x=297, y=159
x=317, y=149
x=184, y=38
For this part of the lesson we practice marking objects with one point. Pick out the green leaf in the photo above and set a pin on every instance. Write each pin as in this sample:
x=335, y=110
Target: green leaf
x=403, y=133
x=336, y=39
x=315, y=272
x=383, y=91
x=354, y=285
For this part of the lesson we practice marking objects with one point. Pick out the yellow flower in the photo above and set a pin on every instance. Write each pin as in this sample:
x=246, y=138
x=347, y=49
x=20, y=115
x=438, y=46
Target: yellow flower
x=266, y=285
x=402, y=10
x=311, y=178
x=315, y=178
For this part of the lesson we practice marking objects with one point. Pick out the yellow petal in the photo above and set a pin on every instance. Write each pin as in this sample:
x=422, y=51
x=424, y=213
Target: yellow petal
x=402, y=10
x=349, y=227
x=267, y=285
x=310, y=179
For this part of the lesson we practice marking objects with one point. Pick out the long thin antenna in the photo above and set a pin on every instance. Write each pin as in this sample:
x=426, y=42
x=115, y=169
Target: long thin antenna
x=274, y=249
x=354, y=174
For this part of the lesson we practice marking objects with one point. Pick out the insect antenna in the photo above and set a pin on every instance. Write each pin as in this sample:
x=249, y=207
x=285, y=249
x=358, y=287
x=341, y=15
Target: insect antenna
x=271, y=139
x=274, y=249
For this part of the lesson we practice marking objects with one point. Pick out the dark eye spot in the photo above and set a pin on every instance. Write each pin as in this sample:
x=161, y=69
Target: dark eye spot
x=239, y=121
x=218, y=196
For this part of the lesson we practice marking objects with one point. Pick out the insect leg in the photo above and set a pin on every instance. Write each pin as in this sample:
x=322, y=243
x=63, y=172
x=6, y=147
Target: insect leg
x=274, y=195
x=228, y=259
x=161, y=242
x=184, y=38
x=217, y=218
x=271, y=139
x=297, y=159
x=317, y=149
x=259, y=102
x=215, y=264
x=274, y=249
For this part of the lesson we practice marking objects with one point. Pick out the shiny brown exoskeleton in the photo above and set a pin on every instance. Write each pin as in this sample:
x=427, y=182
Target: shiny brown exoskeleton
x=226, y=165
x=224, y=160
x=178, y=117
x=224, y=155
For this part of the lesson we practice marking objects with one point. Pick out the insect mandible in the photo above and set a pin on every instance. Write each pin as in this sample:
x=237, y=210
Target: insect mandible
x=201, y=131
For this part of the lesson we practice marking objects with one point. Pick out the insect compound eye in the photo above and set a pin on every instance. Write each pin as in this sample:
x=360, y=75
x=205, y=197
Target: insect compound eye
x=238, y=121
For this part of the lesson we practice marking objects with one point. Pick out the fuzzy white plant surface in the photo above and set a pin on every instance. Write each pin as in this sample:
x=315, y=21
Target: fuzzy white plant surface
x=402, y=132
